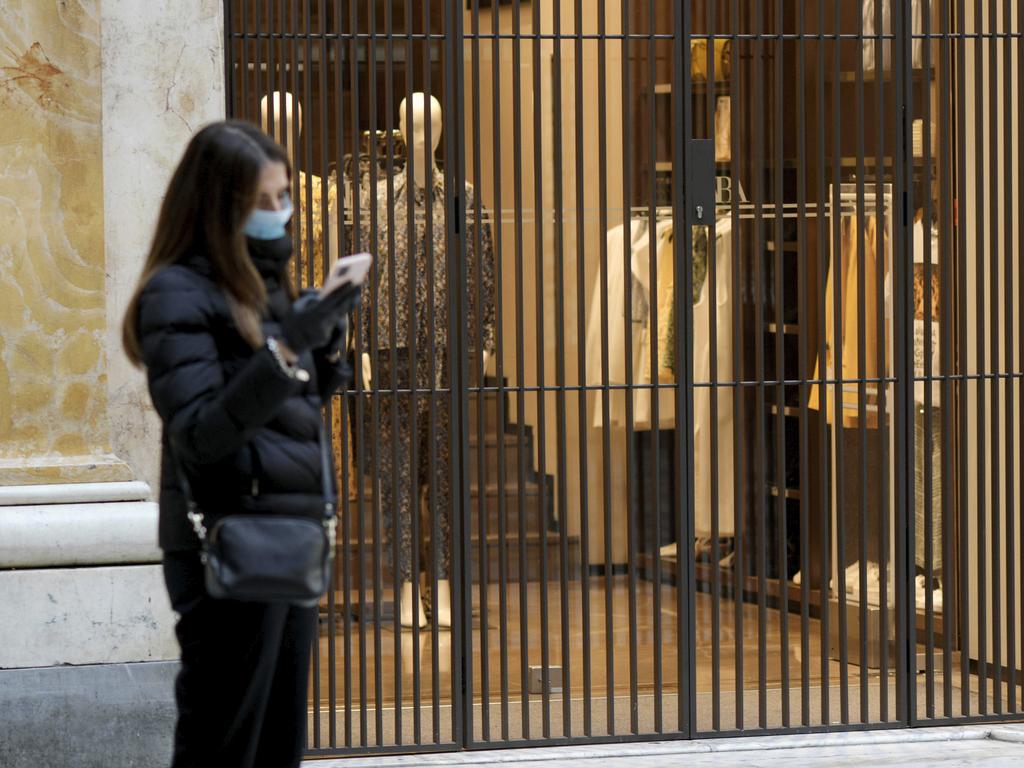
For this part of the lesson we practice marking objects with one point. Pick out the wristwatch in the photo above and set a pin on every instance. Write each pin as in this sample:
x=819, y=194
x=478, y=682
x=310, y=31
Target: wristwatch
x=292, y=371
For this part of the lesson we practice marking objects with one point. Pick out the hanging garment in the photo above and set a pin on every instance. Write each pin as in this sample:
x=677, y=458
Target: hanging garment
x=723, y=129
x=720, y=306
x=923, y=458
x=870, y=14
x=409, y=278
x=651, y=296
x=923, y=316
x=308, y=225
x=612, y=280
x=847, y=340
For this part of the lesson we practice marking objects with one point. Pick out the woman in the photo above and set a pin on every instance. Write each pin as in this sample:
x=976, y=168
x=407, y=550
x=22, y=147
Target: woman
x=237, y=371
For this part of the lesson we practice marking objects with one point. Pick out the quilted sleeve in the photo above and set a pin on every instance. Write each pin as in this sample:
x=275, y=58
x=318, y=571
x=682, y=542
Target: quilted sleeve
x=207, y=416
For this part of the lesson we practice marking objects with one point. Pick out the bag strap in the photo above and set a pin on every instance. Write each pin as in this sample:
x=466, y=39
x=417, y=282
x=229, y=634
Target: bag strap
x=197, y=518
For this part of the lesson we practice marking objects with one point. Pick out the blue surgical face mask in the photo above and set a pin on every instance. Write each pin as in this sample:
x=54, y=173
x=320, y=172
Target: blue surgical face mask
x=268, y=225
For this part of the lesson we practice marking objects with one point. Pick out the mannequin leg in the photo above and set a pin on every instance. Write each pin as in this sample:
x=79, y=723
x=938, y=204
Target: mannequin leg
x=407, y=609
x=392, y=438
x=439, y=502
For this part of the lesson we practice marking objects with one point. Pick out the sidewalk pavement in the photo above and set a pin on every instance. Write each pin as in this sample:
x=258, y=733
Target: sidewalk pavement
x=991, y=746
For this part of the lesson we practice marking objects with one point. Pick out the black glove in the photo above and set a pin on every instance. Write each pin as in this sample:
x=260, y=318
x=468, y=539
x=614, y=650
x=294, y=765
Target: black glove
x=313, y=319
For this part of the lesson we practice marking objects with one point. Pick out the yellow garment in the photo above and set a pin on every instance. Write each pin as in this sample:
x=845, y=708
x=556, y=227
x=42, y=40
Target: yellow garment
x=312, y=206
x=665, y=301
x=849, y=341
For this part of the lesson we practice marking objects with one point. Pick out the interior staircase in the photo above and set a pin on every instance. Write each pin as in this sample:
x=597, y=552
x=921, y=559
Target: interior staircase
x=505, y=488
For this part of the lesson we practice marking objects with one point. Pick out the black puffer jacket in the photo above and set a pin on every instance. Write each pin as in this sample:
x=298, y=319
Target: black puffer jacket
x=246, y=433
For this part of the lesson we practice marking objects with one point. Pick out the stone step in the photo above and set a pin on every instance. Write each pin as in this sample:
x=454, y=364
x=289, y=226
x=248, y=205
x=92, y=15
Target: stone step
x=506, y=449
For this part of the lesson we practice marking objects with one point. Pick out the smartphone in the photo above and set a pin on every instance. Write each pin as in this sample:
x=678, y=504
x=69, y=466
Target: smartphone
x=348, y=270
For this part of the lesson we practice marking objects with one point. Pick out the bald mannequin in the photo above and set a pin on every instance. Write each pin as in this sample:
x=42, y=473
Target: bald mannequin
x=420, y=108
x=280, y=125
x=282, y=129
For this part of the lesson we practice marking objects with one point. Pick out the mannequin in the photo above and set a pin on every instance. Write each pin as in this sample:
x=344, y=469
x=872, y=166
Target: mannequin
x=287, y=113
x=418, y=266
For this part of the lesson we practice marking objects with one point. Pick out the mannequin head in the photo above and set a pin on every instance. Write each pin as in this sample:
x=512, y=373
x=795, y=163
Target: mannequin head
x=282, y=128
x=422, y=109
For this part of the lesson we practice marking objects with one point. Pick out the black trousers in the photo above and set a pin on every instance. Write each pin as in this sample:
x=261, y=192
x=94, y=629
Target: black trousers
x=242, y=688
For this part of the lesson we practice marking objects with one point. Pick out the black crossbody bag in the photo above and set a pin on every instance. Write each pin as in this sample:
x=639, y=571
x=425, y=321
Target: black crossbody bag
x=266, y=557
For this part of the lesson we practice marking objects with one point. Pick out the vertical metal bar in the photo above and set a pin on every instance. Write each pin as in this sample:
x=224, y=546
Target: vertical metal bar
x=581, y=321
x=861, y=220
x=760, y=460
x=946, y=364
x=413, y=245
x=458, y=374
x=389, y=99
x=824, y=490
x=499, y=272
x=963, y=385
x=994, y=209
x=1019, y=102
x=929, y=443
x=561, y=428
x=740, y=480
x=361, y=404
x=345, y=504
x=862, y=391
x=606, y=452
x=1008, y=311
x=884, y=214
x=980, y=341
x=803, y=292
x=230, y=60
x=455, y=252
x=286, y=126
x=781, y=254
x=655, y=476
x=303, y=146
x=375, y=224
x=478, y=369
x=838, y=351
x=681, y=153
x=243, y=60
x=712, y=282
x=539, y=216
x=520, y=369
x=332, y=683
x=906, y=690
x=627, y=193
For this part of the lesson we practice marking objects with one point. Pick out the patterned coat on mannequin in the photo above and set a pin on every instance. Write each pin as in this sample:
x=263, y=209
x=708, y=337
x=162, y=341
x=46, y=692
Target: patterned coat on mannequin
x=406, y=303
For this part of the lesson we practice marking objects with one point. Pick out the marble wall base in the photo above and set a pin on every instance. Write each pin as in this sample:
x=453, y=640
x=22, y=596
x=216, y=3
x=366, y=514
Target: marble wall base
x=100, y=615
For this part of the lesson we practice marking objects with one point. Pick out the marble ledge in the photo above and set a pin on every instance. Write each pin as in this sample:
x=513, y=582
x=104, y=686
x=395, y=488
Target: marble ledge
x=49, y=470
x=73, y=493
x=85, y=534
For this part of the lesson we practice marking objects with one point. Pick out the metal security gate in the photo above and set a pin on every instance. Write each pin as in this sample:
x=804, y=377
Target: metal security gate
x=688, y=374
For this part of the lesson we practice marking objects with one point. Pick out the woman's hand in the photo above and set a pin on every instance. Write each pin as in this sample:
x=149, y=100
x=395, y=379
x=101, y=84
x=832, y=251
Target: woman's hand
x=313, y=319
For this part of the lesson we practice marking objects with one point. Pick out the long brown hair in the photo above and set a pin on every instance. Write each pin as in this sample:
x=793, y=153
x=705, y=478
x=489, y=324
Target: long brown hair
x=211, y=193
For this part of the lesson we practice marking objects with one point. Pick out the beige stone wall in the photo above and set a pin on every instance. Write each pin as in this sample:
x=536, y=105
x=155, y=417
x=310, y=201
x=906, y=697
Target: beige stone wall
x=97, y=102
x=53, y=312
